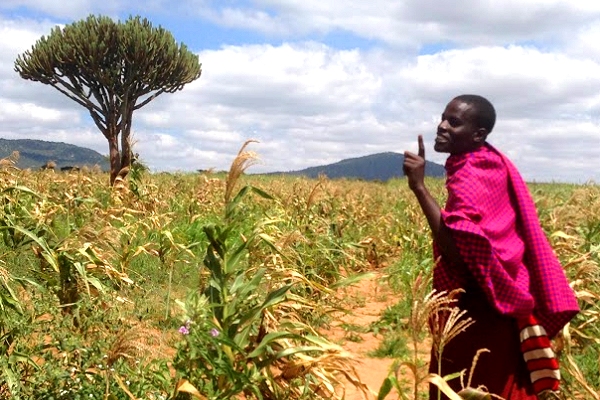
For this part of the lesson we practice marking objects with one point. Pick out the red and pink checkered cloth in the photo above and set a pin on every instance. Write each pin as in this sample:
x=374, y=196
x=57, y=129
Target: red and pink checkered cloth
x=497, y=231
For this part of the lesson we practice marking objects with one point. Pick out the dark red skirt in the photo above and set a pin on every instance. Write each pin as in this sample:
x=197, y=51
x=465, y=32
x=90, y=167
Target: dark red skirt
x=502, y=371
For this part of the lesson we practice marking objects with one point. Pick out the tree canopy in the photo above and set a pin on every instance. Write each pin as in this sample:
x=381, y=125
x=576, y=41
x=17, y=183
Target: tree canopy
x=112, y=69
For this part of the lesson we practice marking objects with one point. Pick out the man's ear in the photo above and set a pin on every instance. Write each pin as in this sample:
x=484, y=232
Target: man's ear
x=480, y=135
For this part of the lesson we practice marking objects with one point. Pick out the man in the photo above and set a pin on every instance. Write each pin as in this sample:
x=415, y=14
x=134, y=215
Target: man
x=488, y=242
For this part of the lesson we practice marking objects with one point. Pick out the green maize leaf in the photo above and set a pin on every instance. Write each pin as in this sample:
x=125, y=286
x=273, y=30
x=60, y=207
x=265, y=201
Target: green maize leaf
x=214, y=266
x=88, y=279
x=274, y=297
x=9, y=302
x=47, y=252
x=17, y=356
x=299, y=349
x=320, y=341
x=268, y=240
x=239, y=196
x=231, y=206
x=23, y=189
x=388, y=384
x=455, y=375
x=10, y=378
x=261, y=193
x=474, y=394
x=169, y=236
x=233, y=203
x=83, y=200
x=269, y=339
x=351, y=280
x=243, y=289
x=214, y=237
x=232, y=262
x=268, y=222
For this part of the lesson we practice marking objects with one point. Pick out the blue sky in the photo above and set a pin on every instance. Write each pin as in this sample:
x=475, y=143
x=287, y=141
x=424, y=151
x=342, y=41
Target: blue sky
x=317, y=81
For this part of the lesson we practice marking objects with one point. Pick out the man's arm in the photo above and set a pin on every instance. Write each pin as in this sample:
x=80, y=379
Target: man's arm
x=414, y=169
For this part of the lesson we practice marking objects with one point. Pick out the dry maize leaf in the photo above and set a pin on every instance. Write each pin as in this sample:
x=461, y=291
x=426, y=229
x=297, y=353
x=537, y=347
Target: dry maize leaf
x=563, y=235
x=291, y=371
x=186, y=387
x=124, y=387
x=443, y=386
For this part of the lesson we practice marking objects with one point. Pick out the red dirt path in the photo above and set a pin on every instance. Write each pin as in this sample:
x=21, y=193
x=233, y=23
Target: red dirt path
x=370, y=298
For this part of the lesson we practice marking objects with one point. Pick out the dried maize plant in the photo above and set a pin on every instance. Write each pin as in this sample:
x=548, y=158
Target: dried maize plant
x=133, y=191
x=359, y=223
x=436, y=310
x=445, y=320
x=61, y=226
x=581, y=338
x=129, y=345
x=10, y=162
x=171, y=251
x=105, y=238
x=243, y=335
x=423, y=304
x=575, y=226
x=8, y=302
x=10, y=360
x=242, y=161
x=312, y=363
x=350, y=221
x=209, y=192
x=118, y=231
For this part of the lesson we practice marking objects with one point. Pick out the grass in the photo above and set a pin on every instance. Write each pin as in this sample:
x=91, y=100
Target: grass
x=392, y=346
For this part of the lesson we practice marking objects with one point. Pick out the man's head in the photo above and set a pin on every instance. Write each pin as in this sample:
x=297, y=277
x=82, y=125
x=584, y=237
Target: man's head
x=465, y=124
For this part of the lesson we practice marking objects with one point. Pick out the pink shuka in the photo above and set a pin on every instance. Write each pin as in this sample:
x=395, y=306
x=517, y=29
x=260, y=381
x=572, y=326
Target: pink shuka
x=497, y=231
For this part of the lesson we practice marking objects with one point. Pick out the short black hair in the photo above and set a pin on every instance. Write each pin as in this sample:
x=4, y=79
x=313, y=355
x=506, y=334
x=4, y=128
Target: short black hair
x=485, y=114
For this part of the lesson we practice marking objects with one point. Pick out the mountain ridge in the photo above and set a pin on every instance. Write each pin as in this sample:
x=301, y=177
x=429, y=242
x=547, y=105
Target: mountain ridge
x=372, y=167
x=36, y=153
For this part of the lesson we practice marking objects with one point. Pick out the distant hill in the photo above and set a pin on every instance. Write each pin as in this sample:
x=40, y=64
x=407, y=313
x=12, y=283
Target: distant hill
x=35, y=153
x=381, y=166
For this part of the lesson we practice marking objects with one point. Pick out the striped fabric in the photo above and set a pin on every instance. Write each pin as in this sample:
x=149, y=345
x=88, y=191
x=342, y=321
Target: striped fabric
x=539, y=356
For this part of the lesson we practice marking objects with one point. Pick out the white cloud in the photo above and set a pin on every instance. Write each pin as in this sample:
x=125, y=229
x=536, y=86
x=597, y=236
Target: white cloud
x=311, y=104
x=520, y=81
x=307, y=93
x=584, y=44
x=559, y=150
x=30, y=111
x=411, y=22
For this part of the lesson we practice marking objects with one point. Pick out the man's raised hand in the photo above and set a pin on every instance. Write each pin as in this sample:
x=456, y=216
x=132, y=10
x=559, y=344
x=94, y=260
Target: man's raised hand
x=414, y=166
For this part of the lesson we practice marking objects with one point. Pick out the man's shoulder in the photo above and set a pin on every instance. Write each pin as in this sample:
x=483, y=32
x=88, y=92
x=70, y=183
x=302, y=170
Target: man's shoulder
x=491, y=165
x=481, y=165
x=482, y=177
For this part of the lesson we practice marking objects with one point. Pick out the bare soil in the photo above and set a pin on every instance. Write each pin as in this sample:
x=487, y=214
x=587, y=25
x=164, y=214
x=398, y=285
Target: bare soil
x=367, y=300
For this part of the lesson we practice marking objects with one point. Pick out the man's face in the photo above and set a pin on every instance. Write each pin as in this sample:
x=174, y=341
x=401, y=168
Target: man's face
x=457, y=132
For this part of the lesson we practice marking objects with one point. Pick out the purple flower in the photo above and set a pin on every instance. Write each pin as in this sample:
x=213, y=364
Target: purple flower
x=184, y=330
x=214, y=332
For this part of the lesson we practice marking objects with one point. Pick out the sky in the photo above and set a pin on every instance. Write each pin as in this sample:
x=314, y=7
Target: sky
x=318, y=81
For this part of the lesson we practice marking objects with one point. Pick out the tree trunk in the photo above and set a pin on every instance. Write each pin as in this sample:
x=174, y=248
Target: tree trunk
x=125, y=129
x=115, y=158
x=125, y=152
